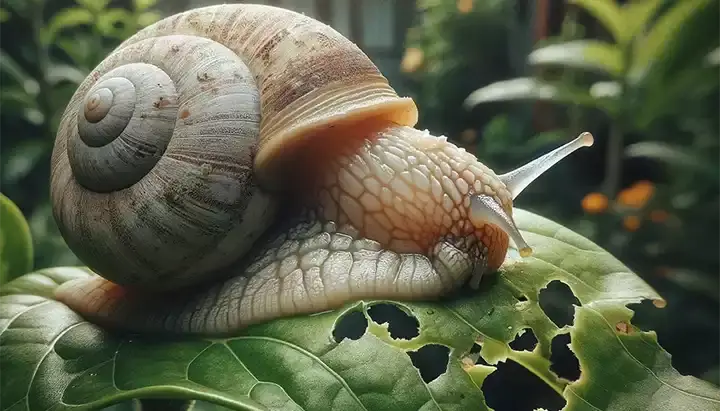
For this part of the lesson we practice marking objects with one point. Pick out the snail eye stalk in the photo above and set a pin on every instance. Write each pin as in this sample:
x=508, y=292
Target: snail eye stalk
x=517, y=180
x=484, y=208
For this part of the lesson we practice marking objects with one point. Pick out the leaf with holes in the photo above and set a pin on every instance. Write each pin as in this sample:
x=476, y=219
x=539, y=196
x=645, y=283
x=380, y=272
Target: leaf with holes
x=59, y=360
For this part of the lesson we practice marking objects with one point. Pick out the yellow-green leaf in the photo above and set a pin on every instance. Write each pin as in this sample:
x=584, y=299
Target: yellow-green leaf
x=636, y=15
x=525, y=88
x=141, y=5
x=114, y=22
x=658, y=39
x=64, y=19
x=147, y=18
x=607, y=13
x=94, y=6
x=4, y=15
x=583, y=54
x=16, y=247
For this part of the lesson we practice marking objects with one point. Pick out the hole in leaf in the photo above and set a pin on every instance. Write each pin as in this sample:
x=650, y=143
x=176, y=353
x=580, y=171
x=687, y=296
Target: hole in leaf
x=351, y=325
x=512, y=387
x=563, y=361
x=557, y=300
x=521, y=298
x=431, y=360
x=400, y=324
x=475, y=351
x=647, y=316
x=524, y=341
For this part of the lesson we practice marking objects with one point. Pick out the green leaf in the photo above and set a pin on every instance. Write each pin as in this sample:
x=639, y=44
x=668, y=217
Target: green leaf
x=526, y=88
x=57, y=73
x=608, y=14
x=620, y=360
x=22, y=158
x=4, y=15
x=672, y=155
x=141, y=5
x=16, y=249
x=658, y=40
x=95, y=6
x=15, y=97
x=147, y=18
x=583, y=54
x=636, y=15
x=65, y=19
x=13, y=69
x=57, y=359
x=114, y=23
x=79, y=48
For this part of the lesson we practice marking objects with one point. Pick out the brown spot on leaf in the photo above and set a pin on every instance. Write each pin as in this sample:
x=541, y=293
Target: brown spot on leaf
x=467, y=363
x=622, y=327
x=185, y=114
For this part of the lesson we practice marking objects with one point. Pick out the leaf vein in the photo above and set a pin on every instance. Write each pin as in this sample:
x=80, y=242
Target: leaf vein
x=649, y=370
x=312, y=356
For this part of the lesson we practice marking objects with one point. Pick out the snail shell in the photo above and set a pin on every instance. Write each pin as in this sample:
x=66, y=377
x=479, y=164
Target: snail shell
x=159, y=154
x=177, y=153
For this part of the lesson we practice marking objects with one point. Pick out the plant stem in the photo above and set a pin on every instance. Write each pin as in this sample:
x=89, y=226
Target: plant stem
x=613, y=166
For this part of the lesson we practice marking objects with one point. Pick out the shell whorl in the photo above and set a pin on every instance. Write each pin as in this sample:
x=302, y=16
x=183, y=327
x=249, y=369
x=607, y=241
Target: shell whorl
x=162, y=152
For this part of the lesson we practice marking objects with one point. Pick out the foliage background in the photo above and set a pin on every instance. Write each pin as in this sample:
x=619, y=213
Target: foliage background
x=647, y=191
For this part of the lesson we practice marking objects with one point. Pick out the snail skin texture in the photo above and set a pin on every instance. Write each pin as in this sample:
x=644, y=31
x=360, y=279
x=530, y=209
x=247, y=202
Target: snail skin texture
x=234, y=164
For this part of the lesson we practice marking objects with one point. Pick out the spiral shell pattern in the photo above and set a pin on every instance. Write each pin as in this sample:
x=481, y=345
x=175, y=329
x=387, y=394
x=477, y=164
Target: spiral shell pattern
x=159, y=143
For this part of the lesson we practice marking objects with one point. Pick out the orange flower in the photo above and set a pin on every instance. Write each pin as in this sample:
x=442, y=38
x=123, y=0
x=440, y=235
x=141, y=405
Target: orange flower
x=659, y=216
x=465, y=6
x=412, y=60
x=637, y=195
x=595, y=203
x=631, y=223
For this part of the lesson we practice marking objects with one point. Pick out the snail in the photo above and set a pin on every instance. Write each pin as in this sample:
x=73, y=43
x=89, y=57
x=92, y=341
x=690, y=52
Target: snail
x=235, y=164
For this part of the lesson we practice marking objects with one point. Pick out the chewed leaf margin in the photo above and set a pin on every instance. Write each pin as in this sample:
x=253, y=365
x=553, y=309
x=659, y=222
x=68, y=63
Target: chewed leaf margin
x=296, y=363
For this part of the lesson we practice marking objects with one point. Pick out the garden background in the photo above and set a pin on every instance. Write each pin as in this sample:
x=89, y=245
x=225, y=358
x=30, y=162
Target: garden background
x=508, y=80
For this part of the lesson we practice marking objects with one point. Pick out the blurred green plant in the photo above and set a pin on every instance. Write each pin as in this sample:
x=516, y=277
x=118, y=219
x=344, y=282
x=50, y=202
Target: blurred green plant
x=448, y=50
x=657, y=83
x=16, y=248
x=648, y=73
x=38, y=79
x=650, y=87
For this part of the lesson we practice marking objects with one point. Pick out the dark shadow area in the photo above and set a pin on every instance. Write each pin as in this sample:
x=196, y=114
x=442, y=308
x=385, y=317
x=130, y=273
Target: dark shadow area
x=557, y=300
x=476, y=348
x=564, y=363
x=512, y=387
x=431, y=360
x=352, y=326
x=677, y=329
x=524, y=341
x=400, y=324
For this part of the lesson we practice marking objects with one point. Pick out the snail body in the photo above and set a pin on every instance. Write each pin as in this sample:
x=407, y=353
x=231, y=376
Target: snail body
x=234, y=164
